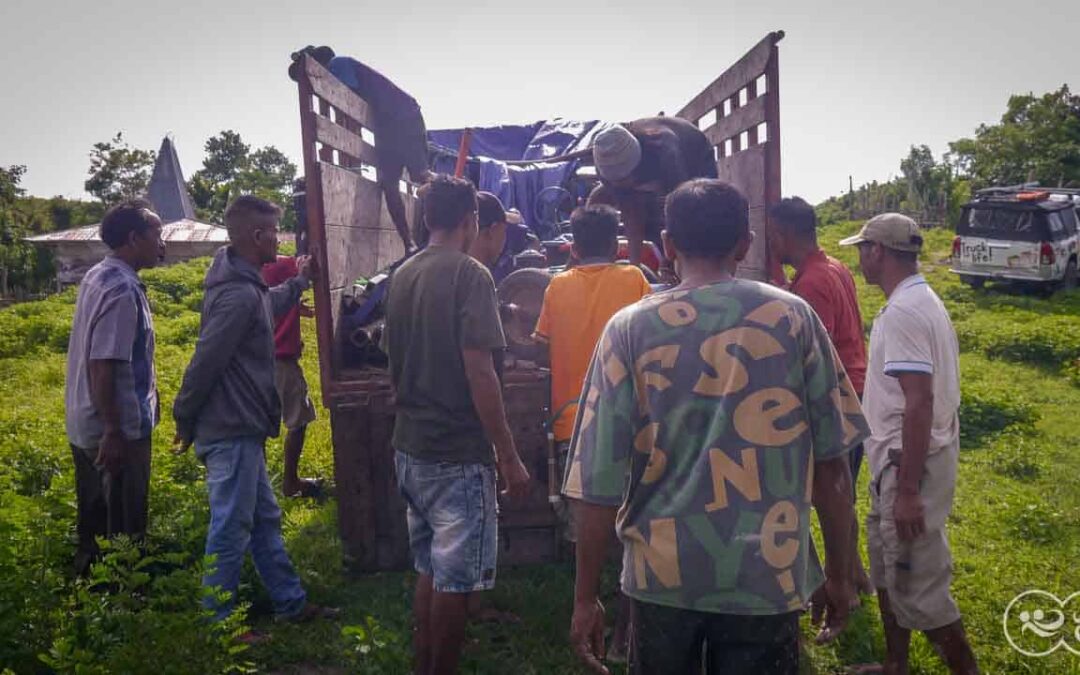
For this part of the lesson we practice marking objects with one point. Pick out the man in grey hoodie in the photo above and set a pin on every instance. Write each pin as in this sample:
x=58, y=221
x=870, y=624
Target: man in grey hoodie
x=228, y=407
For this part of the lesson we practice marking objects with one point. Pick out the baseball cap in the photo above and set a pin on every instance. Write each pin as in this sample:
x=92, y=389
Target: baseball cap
x=616, y=152
x=891, y=230
x=490, y=210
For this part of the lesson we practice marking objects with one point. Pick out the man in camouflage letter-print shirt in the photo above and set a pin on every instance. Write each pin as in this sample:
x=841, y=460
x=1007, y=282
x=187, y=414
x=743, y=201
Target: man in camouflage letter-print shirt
x=706, y=411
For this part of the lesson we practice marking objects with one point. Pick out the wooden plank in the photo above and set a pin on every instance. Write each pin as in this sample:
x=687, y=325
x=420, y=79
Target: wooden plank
x=773, y=188
x=343, y=140
x=325, y=314
x=756, y=265
x=333, y=91
x=746, y=171
x=740, y=120
x=350, y=199
x=351, y=252
x=744, y=71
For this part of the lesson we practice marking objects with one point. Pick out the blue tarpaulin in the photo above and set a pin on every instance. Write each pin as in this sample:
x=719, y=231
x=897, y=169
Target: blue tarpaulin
x=516, y=186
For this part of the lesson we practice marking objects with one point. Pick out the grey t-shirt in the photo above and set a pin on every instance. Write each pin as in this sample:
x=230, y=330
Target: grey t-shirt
x=112, y=323
x=441, y=301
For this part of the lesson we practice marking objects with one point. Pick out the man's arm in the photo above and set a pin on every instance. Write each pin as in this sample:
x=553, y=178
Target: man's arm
x=918, y=391
x=224, y=326
x=594, y=526
x=832, y=501
x=103, y=395
x=487, y=399
x=286, y=295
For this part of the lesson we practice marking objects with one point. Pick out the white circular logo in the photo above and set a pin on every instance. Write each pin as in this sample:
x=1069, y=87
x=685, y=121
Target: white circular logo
x=1037, y=623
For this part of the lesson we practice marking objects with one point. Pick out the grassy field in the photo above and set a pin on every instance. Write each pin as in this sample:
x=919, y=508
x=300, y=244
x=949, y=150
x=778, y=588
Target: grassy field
x=1014, y=526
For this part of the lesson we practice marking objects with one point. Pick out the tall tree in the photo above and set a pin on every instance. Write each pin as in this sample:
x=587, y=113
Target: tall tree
x=231, y=168
x=1038, y=139
x=22, y=266
x=118, y=171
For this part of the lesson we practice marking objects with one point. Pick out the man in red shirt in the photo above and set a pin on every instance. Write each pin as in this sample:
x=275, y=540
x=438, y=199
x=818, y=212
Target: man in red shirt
x=828, y=287
x=297, y=410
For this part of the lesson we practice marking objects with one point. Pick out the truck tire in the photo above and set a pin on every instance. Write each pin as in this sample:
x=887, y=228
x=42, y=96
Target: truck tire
x=1068, y=282
x=975, y=282
x=524, y=289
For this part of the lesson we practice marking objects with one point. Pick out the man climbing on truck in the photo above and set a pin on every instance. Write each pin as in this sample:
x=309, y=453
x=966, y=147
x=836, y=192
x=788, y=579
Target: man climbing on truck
x=639, y=163
x=400, y=134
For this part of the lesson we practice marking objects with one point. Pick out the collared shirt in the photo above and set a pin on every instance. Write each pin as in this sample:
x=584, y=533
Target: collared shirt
x=702, y=417
x=912, y=334
x=827, y=285
x=112, y=323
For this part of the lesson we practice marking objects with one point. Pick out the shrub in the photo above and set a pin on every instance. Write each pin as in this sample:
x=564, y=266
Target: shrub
x=1017, y=455
x=989, y=408
x=125, y=619
x=1038, y=523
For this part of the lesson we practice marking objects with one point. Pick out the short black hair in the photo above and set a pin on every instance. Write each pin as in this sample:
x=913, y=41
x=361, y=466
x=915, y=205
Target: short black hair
x=795, y=216
x=133, y=215
x=909, y=257
x=706, y=218
x=490, y=210
x=446, y=200
x=245, y=206
x=596, y=229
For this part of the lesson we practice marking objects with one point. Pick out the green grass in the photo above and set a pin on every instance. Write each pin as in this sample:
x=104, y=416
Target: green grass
x=1014, y=526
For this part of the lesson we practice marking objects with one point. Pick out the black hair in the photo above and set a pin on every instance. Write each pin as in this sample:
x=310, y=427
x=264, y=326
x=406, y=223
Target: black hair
x=133, y=215
x=490, y=210
x=909, y=257
x=706, y=218
x=446, y=200
x=596, y=229
x=245, y=206
x=796, y=216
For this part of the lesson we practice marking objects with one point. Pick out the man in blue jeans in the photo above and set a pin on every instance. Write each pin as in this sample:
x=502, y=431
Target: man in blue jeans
x=228, y=407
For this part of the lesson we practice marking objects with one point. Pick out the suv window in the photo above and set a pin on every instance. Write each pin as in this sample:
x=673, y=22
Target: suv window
x=1002, y=223
x=1068, y=217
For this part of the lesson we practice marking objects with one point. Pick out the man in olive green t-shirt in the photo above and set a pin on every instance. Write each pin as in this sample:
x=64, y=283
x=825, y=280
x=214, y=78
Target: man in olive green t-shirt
x=441, y=329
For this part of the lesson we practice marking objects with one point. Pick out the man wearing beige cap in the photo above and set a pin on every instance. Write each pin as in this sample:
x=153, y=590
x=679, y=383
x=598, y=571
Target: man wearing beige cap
x=639, y=163
x=911, y=400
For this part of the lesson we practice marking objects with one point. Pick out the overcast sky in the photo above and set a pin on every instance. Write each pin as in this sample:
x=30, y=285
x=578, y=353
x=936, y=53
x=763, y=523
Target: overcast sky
x=860, y=81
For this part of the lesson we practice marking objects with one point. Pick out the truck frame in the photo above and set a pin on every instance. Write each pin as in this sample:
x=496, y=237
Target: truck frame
x=350, y=235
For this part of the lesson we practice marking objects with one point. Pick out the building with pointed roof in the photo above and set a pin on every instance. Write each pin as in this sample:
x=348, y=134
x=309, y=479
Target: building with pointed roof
x=78, y=249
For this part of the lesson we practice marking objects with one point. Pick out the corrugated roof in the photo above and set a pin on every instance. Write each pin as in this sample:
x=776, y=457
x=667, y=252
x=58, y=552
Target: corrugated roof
x=185, y=230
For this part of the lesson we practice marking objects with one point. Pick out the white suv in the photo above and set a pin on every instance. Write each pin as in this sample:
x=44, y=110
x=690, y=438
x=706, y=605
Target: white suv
x=1021, y=234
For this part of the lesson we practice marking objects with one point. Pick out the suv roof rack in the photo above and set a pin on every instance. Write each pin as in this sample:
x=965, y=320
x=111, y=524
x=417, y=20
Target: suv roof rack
x=1012, y=190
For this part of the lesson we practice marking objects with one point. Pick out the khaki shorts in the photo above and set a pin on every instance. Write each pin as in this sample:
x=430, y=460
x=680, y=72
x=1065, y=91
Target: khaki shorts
x=915, y=574
x=296, y=407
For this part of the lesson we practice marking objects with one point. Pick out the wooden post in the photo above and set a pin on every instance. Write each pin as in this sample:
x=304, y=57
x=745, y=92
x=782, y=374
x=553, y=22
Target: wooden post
x=773, y=189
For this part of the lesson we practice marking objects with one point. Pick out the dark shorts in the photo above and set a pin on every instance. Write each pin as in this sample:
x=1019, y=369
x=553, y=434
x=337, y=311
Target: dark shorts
x=672, y=641
x=401, y=143
x=453, y=521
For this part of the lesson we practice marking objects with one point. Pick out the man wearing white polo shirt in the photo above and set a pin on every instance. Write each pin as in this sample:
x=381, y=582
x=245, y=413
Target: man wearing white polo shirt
x=911, y=400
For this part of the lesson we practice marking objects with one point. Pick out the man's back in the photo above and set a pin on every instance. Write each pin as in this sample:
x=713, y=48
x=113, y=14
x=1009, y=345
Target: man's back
x=685, y=151
x=577, y=305
x=716, y=401
x=441, y=301
x=828, y=286
x=912, y=333
x=287, y=341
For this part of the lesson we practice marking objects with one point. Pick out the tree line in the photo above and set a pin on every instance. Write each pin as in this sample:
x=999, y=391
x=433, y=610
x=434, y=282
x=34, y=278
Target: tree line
x=1036, y=140
x=119, y=171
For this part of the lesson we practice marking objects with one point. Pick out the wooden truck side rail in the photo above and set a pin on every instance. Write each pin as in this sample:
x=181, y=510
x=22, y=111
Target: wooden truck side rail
x=740, y=114
x=350, y=232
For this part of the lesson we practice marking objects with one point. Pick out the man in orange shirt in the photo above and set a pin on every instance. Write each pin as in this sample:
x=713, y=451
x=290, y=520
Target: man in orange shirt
x=577, y=306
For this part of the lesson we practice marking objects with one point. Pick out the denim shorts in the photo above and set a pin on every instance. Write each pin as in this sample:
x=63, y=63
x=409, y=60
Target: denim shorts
x=453, y=521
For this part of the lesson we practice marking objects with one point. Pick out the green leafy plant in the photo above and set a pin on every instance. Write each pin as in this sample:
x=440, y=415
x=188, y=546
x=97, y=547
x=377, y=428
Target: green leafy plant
x=371, y=648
